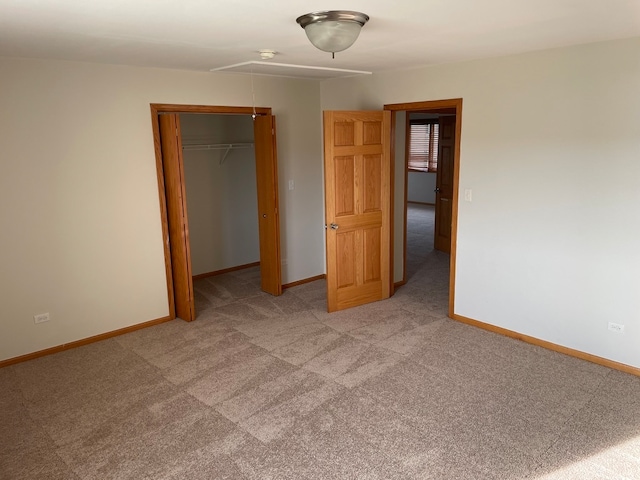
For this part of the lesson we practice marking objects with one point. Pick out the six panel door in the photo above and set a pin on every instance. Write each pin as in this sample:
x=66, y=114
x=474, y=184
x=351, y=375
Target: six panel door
x=358, y=207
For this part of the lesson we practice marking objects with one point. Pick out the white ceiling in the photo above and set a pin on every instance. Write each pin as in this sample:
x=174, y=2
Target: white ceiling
x=205, y=34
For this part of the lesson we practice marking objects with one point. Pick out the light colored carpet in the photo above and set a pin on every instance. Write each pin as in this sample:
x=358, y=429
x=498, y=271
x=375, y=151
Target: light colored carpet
x=260, y=387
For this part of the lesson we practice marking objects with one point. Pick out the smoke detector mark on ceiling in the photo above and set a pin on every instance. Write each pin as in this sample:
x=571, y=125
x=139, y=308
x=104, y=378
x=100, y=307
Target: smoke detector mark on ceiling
x=266, y=54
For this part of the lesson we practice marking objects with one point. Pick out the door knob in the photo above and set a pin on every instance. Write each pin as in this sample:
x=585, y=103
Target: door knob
x=334, y=226
x=437, y=190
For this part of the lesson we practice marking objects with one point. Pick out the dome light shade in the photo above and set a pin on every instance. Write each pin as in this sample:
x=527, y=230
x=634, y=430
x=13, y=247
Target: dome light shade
x=333, y=31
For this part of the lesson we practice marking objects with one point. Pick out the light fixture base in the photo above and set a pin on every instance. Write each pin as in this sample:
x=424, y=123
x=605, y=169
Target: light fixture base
x=333, y=30
x=332, y=15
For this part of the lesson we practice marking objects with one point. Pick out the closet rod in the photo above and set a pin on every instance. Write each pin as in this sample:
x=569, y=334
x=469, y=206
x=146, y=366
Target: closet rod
x=218, y=146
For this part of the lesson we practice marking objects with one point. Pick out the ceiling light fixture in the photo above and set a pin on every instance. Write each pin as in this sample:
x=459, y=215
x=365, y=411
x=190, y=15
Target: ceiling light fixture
x=333, y=31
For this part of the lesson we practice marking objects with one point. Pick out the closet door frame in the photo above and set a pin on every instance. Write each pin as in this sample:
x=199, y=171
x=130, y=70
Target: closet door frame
x=159, y=109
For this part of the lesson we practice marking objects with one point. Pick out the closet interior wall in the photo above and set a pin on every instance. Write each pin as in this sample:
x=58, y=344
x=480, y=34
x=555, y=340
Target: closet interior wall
x=220, y=180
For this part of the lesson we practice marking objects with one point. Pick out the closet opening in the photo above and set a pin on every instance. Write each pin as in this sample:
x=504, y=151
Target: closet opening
x=217, y=179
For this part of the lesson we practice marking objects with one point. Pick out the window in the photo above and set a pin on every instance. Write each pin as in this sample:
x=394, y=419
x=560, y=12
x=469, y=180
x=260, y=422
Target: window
x=423, y=145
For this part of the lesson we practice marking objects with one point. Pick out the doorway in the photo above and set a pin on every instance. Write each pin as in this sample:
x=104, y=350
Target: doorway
x=446, y=184
x=222, y=205
x=173, y=206
x=429, y=159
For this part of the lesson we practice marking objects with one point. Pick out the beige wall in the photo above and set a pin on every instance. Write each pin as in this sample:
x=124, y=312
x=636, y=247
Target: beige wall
x=81, y=234
x=550, y=147
x=222, y=198
x=398, y=197
x=421, y=187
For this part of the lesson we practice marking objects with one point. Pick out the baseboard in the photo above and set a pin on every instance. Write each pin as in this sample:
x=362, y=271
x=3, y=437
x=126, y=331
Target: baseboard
x=225, y=270
x=80, y=343
x=550, y=346
x=421, y=203
x=399, y=284
x=132, y=328
x=306, y=280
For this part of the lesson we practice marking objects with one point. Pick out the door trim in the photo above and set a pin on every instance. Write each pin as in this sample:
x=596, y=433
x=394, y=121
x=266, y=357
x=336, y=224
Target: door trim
x=434, y=106
x=157, y=109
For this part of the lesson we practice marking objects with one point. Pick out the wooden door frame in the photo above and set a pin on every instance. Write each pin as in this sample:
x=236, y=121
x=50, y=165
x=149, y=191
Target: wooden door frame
x=160, y=108
x=433, y=106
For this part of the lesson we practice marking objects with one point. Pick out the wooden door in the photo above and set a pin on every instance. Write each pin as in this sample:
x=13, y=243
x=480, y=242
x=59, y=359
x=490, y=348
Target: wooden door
x=264, y=131
x=173, y=167
x=445, y=183
x=358, y=207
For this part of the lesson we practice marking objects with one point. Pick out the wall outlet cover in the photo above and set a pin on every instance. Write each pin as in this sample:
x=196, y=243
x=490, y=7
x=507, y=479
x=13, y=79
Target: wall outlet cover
x=41, y=318
x=616, y=327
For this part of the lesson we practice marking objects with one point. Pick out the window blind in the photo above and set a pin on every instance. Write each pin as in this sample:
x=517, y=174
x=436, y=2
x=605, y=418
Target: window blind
x=423, y=146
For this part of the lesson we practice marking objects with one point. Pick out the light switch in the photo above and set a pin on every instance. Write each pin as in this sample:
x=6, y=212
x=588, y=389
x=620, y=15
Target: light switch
x=468, y=195
x=290, y=184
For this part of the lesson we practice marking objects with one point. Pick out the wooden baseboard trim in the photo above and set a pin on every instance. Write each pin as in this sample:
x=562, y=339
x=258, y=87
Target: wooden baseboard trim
x=421, y=203
x=80, y=343
x=306, y=280
x=399, y=284
x=550, y=346
x=225, y=270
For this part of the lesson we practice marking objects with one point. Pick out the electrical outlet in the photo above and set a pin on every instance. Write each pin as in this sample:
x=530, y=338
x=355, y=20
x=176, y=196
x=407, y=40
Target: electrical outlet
x=616, y=327
x=41, y=318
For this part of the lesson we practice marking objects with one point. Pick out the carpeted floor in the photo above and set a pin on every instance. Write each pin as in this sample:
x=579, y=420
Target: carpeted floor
x=260, y=387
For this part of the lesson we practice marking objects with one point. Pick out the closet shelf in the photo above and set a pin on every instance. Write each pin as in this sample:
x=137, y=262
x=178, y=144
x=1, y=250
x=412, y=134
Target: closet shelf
x=217, y=146
x=227, y=147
